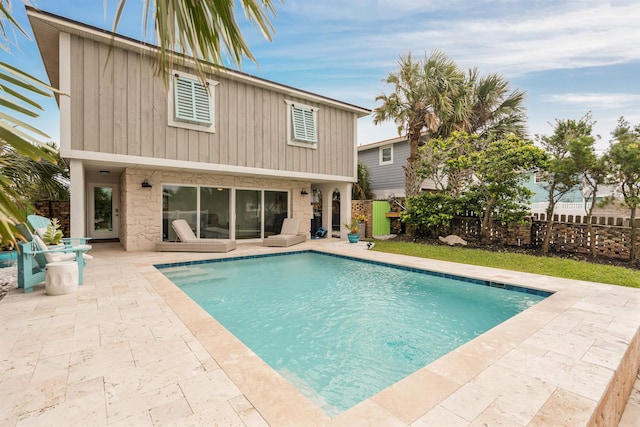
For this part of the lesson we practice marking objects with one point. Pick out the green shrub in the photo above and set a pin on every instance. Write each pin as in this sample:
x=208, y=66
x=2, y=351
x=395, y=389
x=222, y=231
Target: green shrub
x=430, y=214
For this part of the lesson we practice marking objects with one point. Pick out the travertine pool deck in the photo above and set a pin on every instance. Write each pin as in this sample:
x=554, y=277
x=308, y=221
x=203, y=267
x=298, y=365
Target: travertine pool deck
x=129, y=348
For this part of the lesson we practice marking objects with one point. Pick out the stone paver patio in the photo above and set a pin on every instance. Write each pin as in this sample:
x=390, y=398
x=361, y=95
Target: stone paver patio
x=129, y=348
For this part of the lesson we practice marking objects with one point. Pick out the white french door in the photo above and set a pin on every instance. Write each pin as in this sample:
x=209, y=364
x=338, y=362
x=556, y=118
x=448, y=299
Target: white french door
x=104, y=211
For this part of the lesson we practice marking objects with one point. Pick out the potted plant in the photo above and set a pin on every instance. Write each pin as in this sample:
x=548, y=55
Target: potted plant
x=353, y=226
x=362, y=225
x=53, y=235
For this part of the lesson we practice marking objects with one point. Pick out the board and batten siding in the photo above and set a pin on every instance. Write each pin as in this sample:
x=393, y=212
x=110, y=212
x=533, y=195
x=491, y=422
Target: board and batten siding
x=121, y=108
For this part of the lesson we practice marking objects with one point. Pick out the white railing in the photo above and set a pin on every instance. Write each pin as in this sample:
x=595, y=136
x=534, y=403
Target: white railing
x=575, y=208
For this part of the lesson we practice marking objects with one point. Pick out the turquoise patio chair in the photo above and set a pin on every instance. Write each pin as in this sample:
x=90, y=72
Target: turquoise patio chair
x=38, y=223
x=32, y=260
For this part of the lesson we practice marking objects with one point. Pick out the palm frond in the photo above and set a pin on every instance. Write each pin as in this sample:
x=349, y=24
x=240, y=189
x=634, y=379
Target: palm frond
x=206, y=30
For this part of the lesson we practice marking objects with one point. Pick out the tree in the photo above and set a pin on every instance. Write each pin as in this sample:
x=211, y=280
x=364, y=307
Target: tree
x=362, y=188
x=205, y=30
x=497, y=189
x=19, y=92
x=561, y=172
x=24, y=180
x=447, y=162
x=433, y=98
x=421, y=100
x=624, y=157
x=593, y=171
x=487, y=107
x=35, y=180
x=473, y=174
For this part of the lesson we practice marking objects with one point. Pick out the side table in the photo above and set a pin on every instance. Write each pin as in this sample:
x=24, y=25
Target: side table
x=61, y=278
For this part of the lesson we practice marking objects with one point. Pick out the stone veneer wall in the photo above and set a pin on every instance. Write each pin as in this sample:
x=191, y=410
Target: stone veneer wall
x=141, y=208
x=612, y=404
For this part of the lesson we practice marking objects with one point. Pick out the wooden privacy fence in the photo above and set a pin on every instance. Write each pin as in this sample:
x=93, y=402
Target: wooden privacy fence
x=56, y=209
x=611, y=235
x=610, y=241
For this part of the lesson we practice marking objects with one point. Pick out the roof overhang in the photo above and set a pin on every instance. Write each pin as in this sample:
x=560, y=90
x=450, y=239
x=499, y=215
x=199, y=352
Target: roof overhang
x=47, y=28
x=382, y=143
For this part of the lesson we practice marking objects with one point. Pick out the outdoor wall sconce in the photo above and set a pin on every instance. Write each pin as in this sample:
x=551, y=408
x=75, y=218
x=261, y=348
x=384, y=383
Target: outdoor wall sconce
x=304, y=192
x=145, y=184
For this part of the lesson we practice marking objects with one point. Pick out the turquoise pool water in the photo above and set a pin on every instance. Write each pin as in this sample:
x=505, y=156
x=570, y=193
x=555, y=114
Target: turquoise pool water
x=340, y=329
x=8, y=258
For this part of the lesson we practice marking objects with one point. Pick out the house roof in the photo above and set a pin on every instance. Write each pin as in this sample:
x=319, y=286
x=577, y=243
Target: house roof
x=47, y=27
x=382, y=143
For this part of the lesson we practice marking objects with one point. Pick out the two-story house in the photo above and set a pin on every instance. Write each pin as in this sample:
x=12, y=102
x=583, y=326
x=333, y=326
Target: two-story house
x=233, y=156
x=385, y=160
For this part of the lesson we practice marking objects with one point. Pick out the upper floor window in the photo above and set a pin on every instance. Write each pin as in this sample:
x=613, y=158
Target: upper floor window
x=386, y=155
x=191, y=103
x=302, y=125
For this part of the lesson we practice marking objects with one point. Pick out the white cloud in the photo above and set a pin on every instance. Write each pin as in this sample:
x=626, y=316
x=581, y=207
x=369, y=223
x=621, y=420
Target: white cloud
x=603, y=101
x=514, y=39
x=548, y=39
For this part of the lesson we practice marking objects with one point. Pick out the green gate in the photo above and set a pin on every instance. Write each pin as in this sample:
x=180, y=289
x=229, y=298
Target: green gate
x=381, y=224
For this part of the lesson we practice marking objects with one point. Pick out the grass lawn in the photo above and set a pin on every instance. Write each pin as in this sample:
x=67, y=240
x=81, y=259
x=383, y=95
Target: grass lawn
x=550, y=266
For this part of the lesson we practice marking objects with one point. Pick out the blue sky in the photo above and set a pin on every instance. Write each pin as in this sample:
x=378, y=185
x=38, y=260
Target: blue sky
x=570, y=57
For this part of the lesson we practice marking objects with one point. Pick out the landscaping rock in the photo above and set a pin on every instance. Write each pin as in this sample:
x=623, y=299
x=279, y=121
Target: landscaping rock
x=452, y=240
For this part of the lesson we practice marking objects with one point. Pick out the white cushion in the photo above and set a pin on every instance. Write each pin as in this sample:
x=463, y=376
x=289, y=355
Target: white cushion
x=58, y=256
x=290, y=226
x=183, y=230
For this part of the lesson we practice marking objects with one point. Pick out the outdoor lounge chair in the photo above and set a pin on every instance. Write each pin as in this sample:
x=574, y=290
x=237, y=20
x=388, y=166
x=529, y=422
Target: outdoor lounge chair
x=190, y=243
x=289, y=234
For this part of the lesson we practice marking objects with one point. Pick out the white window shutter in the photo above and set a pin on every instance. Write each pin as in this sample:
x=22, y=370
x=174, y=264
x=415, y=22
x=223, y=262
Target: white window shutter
x=303, y=121
x=192, y=102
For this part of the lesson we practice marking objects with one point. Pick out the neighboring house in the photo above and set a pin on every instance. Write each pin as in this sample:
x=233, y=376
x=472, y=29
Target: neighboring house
x=385, y=161
x=233, y=158
x=573, y=203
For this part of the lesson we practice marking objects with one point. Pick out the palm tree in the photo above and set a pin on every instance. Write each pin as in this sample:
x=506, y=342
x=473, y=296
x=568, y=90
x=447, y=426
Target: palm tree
x=18, y=141
x=362, y=188
x=493, y=110
x=422, y=99
x=35, y=180
x=203, y=29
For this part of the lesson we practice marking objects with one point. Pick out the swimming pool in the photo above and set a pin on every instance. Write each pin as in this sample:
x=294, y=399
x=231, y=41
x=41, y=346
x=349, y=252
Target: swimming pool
x=341, y=329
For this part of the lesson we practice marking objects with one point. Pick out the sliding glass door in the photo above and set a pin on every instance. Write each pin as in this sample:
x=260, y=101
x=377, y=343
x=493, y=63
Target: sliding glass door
x=248, y=214
x=211, y=214
x=276, y=209
x=214, y=212
x=178, y=203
